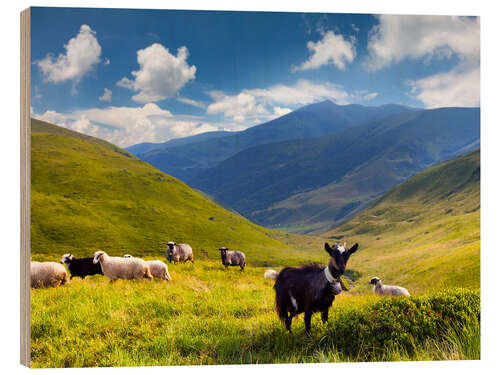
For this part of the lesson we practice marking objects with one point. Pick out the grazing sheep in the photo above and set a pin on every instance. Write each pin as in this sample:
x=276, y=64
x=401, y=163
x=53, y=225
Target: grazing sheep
x=387, y=290
x=45, y=274
x=122, y=268
x=81, y=267
x=179, y=252
x=233, y=258
x=157, y=267
x=311, y=288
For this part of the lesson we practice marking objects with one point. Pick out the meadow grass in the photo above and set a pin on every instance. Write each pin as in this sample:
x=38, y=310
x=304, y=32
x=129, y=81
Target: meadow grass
x=89, y=195
x=205, y=315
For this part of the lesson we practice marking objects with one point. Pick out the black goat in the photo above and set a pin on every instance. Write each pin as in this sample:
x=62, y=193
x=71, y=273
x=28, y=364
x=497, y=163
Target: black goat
x=310, y=288
x=82, y=266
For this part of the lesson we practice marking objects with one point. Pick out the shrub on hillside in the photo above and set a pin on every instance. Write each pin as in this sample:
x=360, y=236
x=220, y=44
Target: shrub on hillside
x=402, y=323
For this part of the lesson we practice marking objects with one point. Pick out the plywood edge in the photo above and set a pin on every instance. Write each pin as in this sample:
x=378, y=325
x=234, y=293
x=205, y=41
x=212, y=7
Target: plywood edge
x=25, y=117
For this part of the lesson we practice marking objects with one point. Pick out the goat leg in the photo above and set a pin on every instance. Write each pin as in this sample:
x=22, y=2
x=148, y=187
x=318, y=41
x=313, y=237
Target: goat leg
x=307, y=320
x=324, y=315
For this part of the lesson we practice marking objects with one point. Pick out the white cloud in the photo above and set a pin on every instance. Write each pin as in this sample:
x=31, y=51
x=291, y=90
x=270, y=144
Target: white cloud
x=161, y=74
x=303, y=92
x=125, y=126
x=82, y=54
x=279, y=111
x=259, y=105
x=238, y=107
x=106, y=61
x=456, y=88
x=371, y=96
x=332, y=49
x=192, y=102
x=106, y=97
x=398, y=37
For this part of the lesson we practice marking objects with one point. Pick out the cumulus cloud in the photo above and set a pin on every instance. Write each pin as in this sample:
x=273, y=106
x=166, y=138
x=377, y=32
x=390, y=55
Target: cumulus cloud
x=125, y=126
x=106, y=97
x=258, y=105
x=238, y=107
x=332, y=49
x=161, y=74
x=82, y=54
x=456, y=88
x=395, y=38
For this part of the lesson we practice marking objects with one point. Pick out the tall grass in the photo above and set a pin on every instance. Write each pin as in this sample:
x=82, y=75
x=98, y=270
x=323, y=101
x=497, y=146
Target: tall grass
x=207, y=315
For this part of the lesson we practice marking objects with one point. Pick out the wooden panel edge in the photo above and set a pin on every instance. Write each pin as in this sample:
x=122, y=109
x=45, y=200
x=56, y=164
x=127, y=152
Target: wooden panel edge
x=25, y=117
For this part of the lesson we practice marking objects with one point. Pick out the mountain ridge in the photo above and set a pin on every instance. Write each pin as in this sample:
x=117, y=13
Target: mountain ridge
x=315, y=119
x=374, y=156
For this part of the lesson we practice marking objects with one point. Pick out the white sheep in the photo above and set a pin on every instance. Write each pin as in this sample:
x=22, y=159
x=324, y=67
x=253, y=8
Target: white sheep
x=122, y=268
x=47, y=274
x=157, y=267
x=387, y=290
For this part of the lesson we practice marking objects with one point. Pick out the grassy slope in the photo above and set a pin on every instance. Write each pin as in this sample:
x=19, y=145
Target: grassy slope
x=205, y=315
x=89, y=195
x=425, y=232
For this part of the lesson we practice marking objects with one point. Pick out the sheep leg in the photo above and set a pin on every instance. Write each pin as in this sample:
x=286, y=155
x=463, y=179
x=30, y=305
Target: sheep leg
x=324, y=315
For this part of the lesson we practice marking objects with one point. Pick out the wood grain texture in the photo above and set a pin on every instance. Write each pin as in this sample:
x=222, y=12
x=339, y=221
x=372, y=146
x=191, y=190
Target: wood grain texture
x=25, y=188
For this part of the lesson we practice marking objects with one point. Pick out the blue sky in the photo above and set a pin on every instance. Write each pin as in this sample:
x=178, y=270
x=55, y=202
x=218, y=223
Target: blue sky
x=131, y=76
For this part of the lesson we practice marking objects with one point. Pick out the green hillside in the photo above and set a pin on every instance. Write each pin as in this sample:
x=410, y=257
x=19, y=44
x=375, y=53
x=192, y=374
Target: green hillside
x=89, y=195
x=424, y=232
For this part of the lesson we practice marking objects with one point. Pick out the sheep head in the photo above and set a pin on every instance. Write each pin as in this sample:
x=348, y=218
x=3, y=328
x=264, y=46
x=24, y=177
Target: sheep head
x=374, y=281
x=67, y=258
x=97, y=256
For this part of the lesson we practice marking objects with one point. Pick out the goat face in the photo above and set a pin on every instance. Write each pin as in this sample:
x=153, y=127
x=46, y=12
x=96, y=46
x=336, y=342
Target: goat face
x=339, y=257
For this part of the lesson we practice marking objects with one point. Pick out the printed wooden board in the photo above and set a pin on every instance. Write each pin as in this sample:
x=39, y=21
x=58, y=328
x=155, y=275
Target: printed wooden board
x=229, y=187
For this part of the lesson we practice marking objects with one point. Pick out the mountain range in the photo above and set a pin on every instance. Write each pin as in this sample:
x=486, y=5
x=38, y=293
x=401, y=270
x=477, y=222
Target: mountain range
x=186, y=158
x=315, y=182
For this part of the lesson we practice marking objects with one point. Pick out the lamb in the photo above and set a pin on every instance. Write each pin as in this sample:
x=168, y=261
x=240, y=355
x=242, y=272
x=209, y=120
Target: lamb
x=157, y=267
x=122, y=268
x=311, y=288
x=81, y=267
x=233, y=258
x=179, y=252
x=387, y=290
x=45, y=274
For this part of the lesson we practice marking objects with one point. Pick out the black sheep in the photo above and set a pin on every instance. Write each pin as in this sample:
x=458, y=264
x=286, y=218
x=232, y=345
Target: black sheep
x=82, y=266
x=310, y=288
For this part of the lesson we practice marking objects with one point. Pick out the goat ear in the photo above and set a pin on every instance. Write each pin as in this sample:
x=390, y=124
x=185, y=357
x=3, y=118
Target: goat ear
x=353, y=249
x=328, y=249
